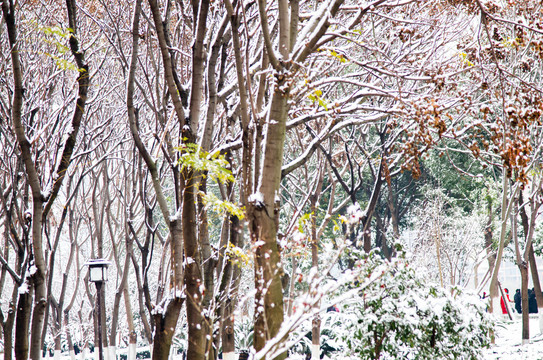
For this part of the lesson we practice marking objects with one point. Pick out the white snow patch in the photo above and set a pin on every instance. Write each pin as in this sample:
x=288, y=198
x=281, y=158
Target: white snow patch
x=257, y=197
x=260, y=243
x=23, y=289
x=229, y=356
x=131, y=352
x=354, y=214
x=157, y=310
x=315, y=352
x=509, y=341
x=298, y=236
x=179, y=294
x=33, y=270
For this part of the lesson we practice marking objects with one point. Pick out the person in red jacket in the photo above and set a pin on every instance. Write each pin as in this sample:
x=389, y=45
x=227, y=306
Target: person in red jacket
x=502, y=303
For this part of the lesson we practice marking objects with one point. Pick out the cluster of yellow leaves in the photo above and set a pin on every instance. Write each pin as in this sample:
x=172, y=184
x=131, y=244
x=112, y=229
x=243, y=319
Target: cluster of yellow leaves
x=213, y=164
x=237, y=256
x=221, y=207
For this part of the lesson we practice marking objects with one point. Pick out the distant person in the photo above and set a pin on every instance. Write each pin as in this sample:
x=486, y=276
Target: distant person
x=532, y=302
x=507, y=294
x=502, y=302
x=518, y=301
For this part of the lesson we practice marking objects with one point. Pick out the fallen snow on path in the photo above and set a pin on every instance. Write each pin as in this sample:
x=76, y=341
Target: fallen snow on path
x=509, y=341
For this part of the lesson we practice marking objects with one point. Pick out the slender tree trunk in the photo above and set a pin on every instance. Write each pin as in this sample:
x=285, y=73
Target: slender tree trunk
x=316, y=323
x=58, y=345
x=394, y=218
x=141, y=305
x=229, y=278
x=370, y=208
x=488, y=234
x=505, y=210
x=165, y=324
x=231, y=301
x=24, y=308
x=166, y=321
x=525, y=305
x=531, y=258
x=263, y=227
x=9, y=323
x=537, y=286
x=132, y=335
x=292, y=281
x=437, y=240
x=523, y=267
x=193, y=274
x=7, y=328
x=209, y=264
x=119, y=293
x=69, y=334
x=227, y=295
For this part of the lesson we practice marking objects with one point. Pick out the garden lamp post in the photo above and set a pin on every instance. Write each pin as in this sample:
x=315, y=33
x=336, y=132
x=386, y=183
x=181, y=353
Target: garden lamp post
x=98, y=275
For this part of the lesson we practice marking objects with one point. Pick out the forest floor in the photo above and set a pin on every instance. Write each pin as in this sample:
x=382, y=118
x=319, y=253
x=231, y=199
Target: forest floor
x=509, y=341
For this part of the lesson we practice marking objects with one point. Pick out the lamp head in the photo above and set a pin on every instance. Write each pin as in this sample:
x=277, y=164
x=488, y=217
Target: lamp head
x=98, y=270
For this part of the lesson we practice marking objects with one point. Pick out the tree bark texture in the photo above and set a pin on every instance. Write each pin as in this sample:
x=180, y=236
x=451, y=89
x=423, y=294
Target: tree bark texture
x=268, y=268
x=193, y=277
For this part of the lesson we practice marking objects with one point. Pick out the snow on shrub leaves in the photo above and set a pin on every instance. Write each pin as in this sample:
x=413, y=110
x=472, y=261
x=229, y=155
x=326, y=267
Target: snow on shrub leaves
x=402, y=317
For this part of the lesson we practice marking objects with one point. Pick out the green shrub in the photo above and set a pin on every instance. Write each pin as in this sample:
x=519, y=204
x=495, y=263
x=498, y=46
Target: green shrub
x=402, y=317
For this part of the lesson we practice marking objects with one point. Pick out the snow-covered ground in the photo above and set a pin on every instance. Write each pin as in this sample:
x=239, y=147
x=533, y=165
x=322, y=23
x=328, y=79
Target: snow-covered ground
x=509, y=341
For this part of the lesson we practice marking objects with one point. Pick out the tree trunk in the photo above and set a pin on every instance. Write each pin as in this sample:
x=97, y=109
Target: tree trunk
x=263, y=224
x=263, y=227
x=228, y=293
x=166, y=320
x=537, y=286
x=165, y=324
x=316, y=323
x=132, y=335
x=58, y=346
x=121, y=291
x=228, y=287
x=531, y=258
x=370, y=208
x=193, y=279
x=69, y=334
x=8, y=325
x=523, y=267
x=209, y=272
x=268, y=272
x=525, y=306
x=24, y=309
x=505, y=210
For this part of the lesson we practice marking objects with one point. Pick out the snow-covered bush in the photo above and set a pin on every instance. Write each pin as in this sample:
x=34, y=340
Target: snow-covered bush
x=401, y=317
